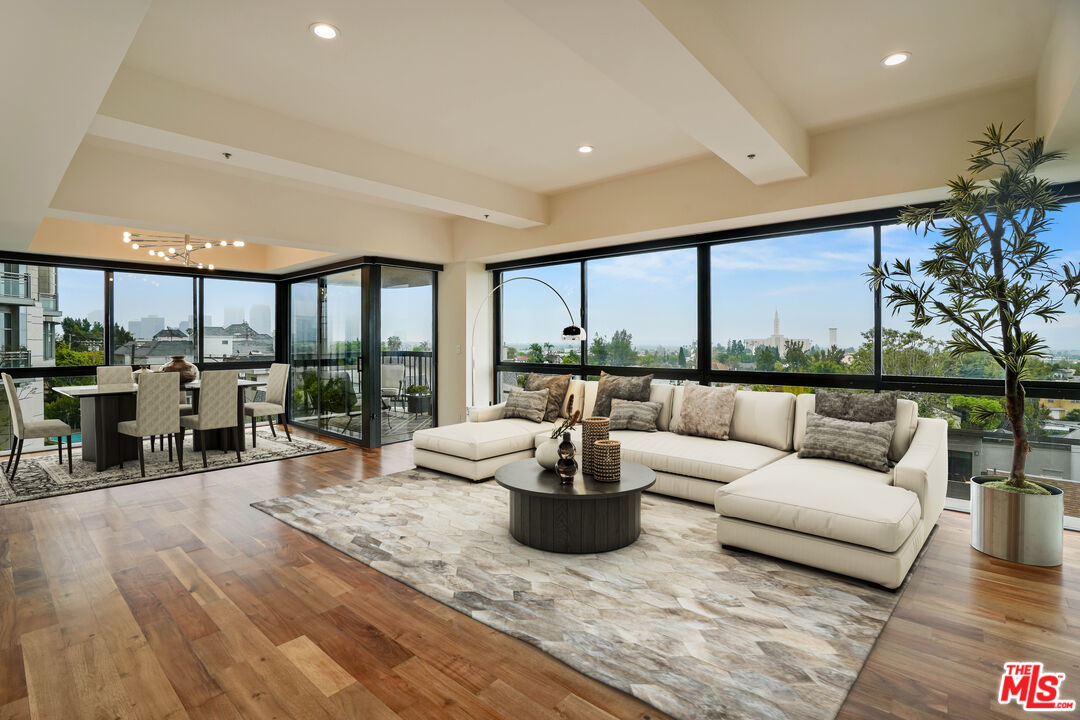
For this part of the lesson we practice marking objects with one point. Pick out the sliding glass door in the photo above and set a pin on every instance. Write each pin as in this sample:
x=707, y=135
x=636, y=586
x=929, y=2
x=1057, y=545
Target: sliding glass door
x=362, y=353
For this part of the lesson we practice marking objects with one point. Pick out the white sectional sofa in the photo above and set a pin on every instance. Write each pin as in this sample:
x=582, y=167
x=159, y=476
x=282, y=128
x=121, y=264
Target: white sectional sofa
x=829, y=514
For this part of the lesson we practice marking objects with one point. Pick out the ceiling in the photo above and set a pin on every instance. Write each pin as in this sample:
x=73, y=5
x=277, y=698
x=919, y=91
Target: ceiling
x=470, y=83
x=822, y=57
x=448, y=130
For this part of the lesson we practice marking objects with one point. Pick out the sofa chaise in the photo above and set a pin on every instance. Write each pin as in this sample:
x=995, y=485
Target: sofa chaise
x=829, y=514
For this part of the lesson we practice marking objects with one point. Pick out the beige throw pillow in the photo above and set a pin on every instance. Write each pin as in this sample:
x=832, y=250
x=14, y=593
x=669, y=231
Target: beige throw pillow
x=526, y=404
x=556, y=385
x=706, y=411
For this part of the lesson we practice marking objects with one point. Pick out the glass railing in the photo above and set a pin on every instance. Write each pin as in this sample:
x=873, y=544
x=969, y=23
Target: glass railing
x=49, y=301
x=15, y=285
x=14, y=358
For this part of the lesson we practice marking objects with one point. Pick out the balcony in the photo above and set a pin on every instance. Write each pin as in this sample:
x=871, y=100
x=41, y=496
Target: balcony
x=14, y=358
x=49, y=303
x=14, y=285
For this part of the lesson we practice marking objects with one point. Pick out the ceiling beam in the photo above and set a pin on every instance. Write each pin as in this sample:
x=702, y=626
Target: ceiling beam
x=749, y=129
x=59, y=58
x=150, y=112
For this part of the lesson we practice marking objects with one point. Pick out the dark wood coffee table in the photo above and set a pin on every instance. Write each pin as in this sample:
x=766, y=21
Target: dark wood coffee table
x=583, y=517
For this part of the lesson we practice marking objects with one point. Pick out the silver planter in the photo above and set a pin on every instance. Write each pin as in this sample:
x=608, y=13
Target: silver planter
x=1020, y=528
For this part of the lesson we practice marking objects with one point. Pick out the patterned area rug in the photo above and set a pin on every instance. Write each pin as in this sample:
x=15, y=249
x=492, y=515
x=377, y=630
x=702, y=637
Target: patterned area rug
x=41, y=476
x=695, y=630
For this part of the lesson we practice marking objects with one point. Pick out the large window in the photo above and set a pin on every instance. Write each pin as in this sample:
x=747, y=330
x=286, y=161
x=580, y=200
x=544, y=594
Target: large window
x=154, y=318
x=238, y=320
x=533, y=317
x=794, y=304
x=642, y=310
x=406, y=368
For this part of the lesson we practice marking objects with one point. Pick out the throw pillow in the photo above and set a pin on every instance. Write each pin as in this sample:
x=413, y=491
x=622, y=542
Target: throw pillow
x=850, y=441
x=556, y=385
x=706, y=411
x=860, y=407
x=526, y=404
x=632, y=415
x=623, y=387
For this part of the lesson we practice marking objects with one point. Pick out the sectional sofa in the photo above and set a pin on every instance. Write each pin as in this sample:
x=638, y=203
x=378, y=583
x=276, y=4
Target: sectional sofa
x=825, y=513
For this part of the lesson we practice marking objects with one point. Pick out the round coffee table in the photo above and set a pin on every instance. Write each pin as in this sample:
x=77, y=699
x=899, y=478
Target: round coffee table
x=583, y=517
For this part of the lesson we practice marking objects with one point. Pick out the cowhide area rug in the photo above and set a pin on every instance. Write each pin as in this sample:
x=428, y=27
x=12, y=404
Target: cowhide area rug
x=696, y=630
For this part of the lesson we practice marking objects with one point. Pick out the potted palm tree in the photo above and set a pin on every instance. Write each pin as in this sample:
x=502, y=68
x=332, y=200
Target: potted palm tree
x=991, y=279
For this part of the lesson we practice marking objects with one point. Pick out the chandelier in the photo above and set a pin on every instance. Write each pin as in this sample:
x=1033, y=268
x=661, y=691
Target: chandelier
x=176, y=248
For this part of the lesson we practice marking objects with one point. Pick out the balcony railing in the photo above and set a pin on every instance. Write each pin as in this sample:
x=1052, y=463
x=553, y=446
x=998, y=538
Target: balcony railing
x=15, y=285
x=419, y=364
x=49, y=301
x=14, y=358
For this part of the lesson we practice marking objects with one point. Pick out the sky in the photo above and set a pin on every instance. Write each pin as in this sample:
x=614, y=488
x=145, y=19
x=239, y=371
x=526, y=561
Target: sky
x=814, y=281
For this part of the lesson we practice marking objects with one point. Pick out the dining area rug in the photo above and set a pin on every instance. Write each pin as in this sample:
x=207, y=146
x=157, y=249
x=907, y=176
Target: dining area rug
x=40, y=476
x=696, y=630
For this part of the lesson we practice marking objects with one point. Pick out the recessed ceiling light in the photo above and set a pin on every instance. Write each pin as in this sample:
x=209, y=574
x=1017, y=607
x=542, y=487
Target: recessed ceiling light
x=326, y=31
x=585, y=149
x=895, y=59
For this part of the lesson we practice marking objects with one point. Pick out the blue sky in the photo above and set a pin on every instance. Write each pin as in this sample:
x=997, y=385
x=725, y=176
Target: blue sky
x=814, y=281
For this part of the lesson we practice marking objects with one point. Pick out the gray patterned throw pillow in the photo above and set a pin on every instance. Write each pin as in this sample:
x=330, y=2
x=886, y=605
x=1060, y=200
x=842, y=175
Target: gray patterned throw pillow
x=623, y=387
x=526, y=404
x=860, y=407
x=860, y=443
x=557, y=385
x=631, y=415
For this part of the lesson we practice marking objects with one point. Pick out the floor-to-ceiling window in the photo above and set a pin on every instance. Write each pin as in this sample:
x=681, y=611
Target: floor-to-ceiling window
x=154, y=318
x=358, y=372
x=789, y=308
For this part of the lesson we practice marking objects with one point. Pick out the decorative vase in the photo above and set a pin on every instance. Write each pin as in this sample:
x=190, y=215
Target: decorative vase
x=607, y=461
x=188, y=372
x=567, y=466
x=548, y=453
x=1017, y=527
x=592, y=429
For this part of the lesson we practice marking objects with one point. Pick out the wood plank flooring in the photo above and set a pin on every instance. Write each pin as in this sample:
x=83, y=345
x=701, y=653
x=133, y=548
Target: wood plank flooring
x=174, y=599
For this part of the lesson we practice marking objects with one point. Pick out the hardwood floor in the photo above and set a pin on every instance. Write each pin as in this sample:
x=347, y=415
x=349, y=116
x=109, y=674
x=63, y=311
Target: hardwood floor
x=174, y=598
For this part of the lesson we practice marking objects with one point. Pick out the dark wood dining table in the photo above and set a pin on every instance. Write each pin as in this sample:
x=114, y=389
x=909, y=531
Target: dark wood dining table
x=104, y=406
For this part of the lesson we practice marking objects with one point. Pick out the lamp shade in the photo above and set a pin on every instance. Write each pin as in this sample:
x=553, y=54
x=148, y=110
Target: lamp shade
x=573, y=332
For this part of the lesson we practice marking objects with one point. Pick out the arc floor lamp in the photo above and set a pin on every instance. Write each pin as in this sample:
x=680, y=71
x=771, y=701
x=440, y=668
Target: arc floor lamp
x=573, y=331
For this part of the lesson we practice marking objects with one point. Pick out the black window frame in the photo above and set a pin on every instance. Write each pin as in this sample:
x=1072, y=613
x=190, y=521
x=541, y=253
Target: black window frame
x=877, y=381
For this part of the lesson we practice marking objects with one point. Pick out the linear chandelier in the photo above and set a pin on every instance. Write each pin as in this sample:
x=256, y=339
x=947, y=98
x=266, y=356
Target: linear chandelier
x=175, y=248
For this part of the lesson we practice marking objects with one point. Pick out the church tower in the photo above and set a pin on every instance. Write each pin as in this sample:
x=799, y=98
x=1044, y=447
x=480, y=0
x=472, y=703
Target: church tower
x=776, y=323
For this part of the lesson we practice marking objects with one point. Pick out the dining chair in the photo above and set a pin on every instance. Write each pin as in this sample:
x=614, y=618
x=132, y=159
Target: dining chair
x=114, y=375
x=156, y=413
x=30, y=429
x=274, y=402
x=217, y=408
x=185, y=409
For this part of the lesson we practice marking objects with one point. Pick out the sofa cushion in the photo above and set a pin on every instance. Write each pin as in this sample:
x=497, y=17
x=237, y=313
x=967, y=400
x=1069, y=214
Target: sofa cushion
x=861, y=443
x=717, y=460
x=631, y=415
x=481, y=440
x=574, y=400
x=526, y=404
x=705, y=411
x=907, y=419
x=826, y=498
x=661, y=393
x=556, y=385
x=624, y=387
x=765, y=418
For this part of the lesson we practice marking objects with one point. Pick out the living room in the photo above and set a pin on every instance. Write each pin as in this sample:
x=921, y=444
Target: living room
x=628, y=358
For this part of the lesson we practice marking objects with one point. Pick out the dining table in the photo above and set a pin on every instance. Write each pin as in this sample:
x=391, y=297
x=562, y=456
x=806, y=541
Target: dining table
x=103, y=407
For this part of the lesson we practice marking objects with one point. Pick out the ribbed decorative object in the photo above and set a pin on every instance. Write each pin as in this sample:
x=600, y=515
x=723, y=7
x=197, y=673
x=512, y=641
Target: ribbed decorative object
x=607, y=461
x=592, y=429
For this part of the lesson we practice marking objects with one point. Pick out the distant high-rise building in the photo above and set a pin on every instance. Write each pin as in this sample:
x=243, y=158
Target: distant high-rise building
x=260, y=318
x=234, y=315
x=832, y=337
x=146, y=327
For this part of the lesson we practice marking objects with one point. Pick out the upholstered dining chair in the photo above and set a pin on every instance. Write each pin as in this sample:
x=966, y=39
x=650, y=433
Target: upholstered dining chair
x=30, y=429
x=217, y=408
x=275, y=401
x=156, y=413
x=114, y=375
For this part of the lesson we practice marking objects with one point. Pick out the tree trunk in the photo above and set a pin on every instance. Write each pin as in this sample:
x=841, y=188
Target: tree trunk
x=1014, y=410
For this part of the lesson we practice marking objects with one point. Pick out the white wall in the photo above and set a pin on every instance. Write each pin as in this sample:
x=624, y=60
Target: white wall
x=462, y=289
